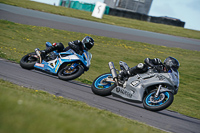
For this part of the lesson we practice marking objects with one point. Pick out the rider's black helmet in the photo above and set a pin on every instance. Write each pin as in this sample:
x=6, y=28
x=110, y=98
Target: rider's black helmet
x=88, y=42
x=171, y=63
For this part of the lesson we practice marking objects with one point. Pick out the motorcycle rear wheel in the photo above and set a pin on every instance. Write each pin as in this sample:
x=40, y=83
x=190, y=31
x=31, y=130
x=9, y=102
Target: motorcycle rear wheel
x=65, y=74
x=164, y=100
x=28, y=61
x=99, y=87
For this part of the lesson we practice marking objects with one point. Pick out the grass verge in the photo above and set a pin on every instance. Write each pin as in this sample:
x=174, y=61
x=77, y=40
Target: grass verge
x=108, y=19
x=26, y=110
x=18, y=40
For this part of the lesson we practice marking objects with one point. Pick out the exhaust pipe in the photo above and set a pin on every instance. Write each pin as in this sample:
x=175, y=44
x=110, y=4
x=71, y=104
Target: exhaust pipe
x=38, y=54
x=113, y=71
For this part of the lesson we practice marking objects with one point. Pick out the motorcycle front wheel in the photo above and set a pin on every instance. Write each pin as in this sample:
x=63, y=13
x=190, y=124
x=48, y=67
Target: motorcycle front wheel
x=28, y=61
x=101, y=87
x=66, y=74
x=164, y=100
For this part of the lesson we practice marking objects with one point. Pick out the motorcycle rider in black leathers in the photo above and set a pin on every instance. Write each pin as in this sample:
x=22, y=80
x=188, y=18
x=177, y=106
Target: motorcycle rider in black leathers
x=169, y=63
x=78, y=46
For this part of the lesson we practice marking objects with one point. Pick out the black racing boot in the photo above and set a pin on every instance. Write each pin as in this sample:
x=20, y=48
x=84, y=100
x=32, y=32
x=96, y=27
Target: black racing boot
x=46, y=51
x=43, y=54
x=50, y=49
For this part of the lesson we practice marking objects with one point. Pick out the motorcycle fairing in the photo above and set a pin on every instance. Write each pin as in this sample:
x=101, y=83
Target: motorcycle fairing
x=135, y=87
x=85, y=58
x=50, y=66
x=69, y=56
x=174, y=78
x=130, y=91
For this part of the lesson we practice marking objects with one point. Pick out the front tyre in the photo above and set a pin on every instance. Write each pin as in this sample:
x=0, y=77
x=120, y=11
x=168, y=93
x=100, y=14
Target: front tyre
x=163, y=101
x=101, y=87
x=28, y=61
x=66, y=74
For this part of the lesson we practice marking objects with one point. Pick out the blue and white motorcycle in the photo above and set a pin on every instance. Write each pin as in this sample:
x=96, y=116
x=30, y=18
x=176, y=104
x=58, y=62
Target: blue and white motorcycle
x=66, y=65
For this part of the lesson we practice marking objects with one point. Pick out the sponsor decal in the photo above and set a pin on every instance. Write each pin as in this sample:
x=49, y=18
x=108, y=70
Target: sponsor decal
x=160, y=77
x=57, y=68
x=85, y=55
x=60, y=60
x=39, y=65
x=124, y=92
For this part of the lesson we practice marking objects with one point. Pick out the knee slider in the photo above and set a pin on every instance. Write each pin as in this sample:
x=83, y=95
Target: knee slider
x=140, y=66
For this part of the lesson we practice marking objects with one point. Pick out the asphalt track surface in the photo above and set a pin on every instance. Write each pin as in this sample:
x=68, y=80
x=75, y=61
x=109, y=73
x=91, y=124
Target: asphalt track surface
x=37, y=18
x=165, y=120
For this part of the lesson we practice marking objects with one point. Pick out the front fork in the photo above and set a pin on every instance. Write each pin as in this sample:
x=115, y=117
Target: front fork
x=72, y=66
x=158, y=91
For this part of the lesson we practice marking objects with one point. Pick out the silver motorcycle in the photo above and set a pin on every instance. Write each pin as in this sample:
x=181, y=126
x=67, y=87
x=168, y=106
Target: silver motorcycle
x=155, y=89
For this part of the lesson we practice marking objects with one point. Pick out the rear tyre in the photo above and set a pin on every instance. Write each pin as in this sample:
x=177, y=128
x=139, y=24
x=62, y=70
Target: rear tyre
x=163, y=101
x=102, y=88
x=28, y=61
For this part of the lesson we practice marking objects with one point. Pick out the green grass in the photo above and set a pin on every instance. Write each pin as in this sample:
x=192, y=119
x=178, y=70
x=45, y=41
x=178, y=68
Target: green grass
x=26, y=110
x=120, y=21
x=18, y=40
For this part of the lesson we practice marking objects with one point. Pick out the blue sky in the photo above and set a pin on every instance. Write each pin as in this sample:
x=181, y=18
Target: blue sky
x=185, y=10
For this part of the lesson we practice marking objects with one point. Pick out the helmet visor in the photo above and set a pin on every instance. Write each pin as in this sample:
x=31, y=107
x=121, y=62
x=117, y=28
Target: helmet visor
x=88, y=42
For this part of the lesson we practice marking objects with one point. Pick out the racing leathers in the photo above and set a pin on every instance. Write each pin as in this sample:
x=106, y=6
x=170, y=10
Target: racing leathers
x=77, y=46
x=143, y=67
